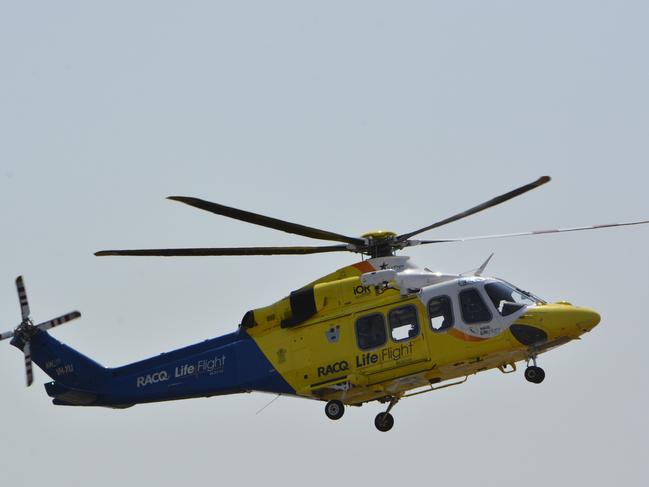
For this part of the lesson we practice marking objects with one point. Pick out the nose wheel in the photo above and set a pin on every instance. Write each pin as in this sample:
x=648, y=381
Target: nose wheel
x=533, y=373
x=335, y=409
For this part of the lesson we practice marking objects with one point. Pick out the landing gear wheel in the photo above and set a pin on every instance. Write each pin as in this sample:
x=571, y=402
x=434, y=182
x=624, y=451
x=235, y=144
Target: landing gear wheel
x=534, y=374
x=384, y=422
x=335, y=409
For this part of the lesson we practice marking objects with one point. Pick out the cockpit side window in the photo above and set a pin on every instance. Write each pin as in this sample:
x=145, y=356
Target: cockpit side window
x=370, y=331
x=440, y=313
x=474, y=309
x=403, y=323
x=505, y=298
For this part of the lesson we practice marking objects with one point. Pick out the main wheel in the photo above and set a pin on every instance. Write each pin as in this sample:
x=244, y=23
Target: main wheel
x=335, y=409
x=534, y=374
x=384, y=422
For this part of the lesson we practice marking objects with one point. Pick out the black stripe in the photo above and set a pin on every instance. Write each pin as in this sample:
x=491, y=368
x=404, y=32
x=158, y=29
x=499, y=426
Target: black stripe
x=333, y=381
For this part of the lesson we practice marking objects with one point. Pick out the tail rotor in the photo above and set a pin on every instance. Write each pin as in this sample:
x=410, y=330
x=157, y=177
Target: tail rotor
x=24, y=332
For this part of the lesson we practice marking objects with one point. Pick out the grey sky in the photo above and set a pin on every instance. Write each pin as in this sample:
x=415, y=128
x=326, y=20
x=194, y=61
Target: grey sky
x=348, y=116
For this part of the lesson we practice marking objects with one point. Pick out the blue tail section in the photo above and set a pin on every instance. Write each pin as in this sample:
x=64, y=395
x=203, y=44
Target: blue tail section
x=64, y=364
x=228, y=364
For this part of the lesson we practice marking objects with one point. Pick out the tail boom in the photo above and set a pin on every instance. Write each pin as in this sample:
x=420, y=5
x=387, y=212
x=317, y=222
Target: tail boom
x=229, y=364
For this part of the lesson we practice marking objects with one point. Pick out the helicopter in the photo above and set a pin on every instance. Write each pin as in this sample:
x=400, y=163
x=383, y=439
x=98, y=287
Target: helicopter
x=382, y=329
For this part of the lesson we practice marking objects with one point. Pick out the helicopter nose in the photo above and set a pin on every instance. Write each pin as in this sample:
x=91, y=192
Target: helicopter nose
x=587, y=319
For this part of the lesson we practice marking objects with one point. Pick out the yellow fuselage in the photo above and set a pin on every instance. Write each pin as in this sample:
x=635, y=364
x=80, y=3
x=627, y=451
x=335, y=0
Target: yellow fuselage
x=322, y=356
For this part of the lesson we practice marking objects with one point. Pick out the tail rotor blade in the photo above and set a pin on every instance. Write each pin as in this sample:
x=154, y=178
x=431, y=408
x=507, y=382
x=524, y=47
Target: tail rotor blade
x=5, y=335
x=22, y=296
x=59, y=321
x=29, y=370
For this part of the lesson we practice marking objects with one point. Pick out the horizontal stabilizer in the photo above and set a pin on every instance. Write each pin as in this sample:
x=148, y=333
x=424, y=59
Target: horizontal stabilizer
x=68, y=396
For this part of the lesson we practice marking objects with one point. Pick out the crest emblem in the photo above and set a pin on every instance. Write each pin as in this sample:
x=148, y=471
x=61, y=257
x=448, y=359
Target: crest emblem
x=333, y=334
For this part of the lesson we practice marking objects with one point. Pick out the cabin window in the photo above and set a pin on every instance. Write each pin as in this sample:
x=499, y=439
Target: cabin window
x=403, y=323
x=370, y=331
x=474, y=309
x=440, y=313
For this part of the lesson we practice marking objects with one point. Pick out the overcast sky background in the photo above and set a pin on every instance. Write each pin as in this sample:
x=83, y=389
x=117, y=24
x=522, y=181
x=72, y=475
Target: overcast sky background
x=348, y=116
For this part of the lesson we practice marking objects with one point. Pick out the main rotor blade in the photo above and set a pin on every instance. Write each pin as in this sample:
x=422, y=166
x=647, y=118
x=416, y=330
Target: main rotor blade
x=59, y=321
x=266, y=221
x=29, y=370
x=22, y=296
x=487, y=204
x=227, y=251
x=5, y=335
x=533, y=232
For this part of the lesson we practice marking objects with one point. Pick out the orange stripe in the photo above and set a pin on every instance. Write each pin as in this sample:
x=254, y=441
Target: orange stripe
x=364, y=266
x=463, y=336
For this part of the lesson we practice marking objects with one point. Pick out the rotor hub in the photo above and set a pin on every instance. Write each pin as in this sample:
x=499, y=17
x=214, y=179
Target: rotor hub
x=380, y=243
x=25, y=330
x=379, y=235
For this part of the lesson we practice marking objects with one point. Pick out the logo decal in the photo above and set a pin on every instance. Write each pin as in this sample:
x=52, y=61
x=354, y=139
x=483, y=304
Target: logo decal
x=383, y=355
x=333, y=368
x=147, y=380
x=281, y=355
x=333, y=334
x=212, y=366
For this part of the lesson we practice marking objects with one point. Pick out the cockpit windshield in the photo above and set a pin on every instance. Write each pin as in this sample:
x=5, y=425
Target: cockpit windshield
x=508, y=299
